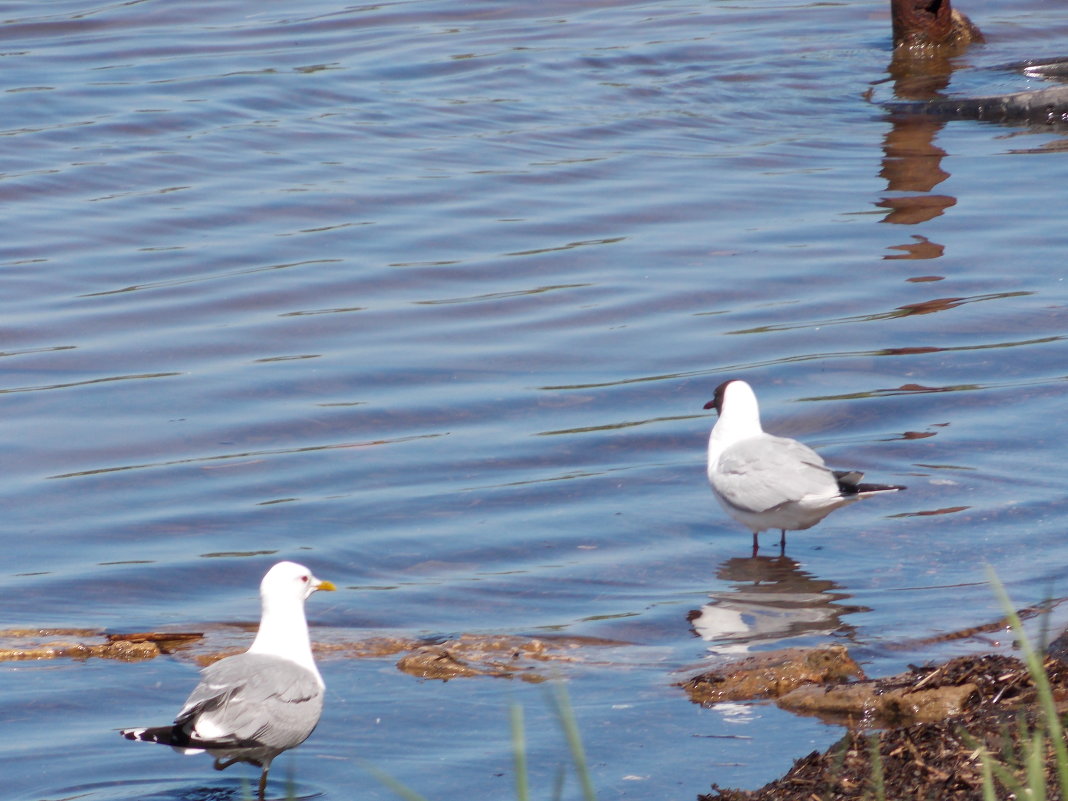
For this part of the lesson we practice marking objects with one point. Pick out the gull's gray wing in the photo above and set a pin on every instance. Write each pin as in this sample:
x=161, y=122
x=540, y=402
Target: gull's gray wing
x=255, y=700
x=763, y=472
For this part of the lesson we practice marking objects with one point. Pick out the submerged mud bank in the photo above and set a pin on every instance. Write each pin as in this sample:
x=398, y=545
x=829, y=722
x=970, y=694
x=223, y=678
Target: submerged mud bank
x=21, y=645
x=465, y=656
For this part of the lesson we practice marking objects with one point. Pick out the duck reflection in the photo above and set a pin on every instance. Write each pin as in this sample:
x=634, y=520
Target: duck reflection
x=912, y=162
x=771, y=599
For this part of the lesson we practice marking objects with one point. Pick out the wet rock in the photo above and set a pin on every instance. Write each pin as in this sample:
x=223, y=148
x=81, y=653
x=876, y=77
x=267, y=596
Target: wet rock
x=498, y=656
x=772, y=674
x=866, y=702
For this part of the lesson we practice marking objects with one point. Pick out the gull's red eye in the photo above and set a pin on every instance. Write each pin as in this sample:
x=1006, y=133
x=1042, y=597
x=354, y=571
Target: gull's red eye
x=304, y=579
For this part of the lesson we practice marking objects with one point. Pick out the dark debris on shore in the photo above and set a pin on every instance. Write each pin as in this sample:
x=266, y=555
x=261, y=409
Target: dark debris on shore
x=938, y=761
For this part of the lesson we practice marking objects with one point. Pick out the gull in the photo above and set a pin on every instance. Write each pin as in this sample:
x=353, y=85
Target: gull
x=764, y=481
x=253, y=706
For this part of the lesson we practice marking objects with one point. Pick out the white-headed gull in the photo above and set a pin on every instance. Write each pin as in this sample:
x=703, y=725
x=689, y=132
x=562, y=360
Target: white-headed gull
x=764, y=481
x=253, y=706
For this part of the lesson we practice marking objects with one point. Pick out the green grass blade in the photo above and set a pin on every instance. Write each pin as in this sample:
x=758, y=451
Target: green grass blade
x=566, y=715
x=519, y=752
x=399, y=788
x=1007, y=778
x=1036, y=768
x=558, y=783
x=877, y=773
x=988, y=776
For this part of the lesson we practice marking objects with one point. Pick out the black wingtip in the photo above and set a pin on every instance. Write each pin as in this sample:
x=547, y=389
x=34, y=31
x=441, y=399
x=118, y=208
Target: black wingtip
x=862, y=488
x=849, y=484
x=866, y=489
x=164, y=735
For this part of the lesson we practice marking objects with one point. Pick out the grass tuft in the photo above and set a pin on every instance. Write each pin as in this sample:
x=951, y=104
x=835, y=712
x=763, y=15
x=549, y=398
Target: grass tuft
x=1022, y=771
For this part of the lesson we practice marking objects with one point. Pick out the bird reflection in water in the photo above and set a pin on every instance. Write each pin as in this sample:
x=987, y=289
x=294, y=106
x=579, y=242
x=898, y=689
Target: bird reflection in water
x=770, y=600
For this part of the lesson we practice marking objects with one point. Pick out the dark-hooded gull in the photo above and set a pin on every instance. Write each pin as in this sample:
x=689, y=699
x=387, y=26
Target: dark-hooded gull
x=253, y=706
x=763, y=481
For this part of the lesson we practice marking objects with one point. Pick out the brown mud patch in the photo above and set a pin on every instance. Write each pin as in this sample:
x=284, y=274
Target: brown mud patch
x=994, y=708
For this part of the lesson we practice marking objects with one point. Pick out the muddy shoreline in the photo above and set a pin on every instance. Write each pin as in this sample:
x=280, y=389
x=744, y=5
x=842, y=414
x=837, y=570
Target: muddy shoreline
x=944, y=717
x=918, y=734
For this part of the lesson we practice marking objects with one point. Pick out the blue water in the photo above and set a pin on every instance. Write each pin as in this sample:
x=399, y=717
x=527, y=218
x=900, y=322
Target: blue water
x=429, y=296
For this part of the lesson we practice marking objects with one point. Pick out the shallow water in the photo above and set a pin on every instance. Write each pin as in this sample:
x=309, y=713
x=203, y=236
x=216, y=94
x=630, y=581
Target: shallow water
x=429, y=296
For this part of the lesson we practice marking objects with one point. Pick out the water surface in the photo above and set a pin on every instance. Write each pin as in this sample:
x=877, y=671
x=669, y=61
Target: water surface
x=429, y=296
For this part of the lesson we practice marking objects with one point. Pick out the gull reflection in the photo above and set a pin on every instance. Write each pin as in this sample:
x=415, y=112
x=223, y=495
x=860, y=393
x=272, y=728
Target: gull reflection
x=770, y=599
